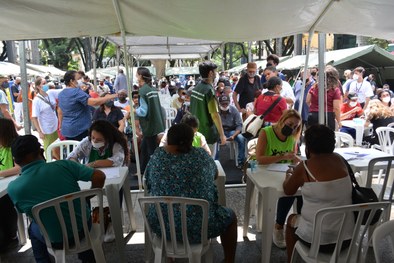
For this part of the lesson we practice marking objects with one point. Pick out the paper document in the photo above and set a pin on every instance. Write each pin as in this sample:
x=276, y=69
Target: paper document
x=278, y=167
x=111, y=172
x=353, y=155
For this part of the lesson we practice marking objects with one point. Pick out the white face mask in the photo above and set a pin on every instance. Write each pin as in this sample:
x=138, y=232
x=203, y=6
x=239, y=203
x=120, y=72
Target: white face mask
x=386, y=99
x=355, y=76
x=352, y=103
x=183, y=97
x=97, y=145
x=224, y=108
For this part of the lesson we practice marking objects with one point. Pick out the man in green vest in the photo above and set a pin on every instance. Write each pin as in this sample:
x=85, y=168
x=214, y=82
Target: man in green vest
x=204, y=106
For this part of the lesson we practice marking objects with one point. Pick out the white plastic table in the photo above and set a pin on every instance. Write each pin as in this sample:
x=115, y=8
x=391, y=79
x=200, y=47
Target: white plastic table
x=116, y=179
x=358, y=125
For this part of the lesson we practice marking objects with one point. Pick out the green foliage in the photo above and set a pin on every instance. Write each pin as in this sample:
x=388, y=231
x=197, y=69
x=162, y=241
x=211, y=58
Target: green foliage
x=379, y=42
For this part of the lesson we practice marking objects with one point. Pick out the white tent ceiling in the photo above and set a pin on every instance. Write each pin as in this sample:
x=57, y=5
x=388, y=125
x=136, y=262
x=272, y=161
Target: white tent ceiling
x=155, y=47
x=223, y=20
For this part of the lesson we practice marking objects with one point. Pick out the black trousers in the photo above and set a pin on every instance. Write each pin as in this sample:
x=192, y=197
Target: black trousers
x=313, y=118
x=148, y=146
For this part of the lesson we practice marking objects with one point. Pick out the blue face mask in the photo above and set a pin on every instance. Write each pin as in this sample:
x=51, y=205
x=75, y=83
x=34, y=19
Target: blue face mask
x=45, y=88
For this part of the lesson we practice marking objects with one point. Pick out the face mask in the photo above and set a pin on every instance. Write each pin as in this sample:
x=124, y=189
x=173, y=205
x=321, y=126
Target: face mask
x=122, y=99
x=355, y=76
x=183, y=97
x=224, y=108
x=109, y=104
x=97, y=145
x=352, y=103
x=251, y=75
x=215, y=81
x=287, y=130
x=45, y=88
x=386, y=99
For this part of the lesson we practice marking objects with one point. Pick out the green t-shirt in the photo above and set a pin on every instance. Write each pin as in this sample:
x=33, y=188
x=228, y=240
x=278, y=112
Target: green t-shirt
x=202, y=105
x=276, y=146
x=40, y=182
x=6, y=161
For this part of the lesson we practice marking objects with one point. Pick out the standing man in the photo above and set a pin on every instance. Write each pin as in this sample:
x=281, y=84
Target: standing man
x=108, y=82
x=247, y=87
x=4, y=110
x=18, y=107
x=41, y=181
x=44, y=115
x=120, y=81
x=232, y=127
x=204, y=106
x=272, y=61
x=361, y=87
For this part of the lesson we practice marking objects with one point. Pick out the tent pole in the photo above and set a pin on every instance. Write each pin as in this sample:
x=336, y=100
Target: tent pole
x=322, y=83
x=249, y=51
x=94, y=42
x=117, y=58
x=25, y=88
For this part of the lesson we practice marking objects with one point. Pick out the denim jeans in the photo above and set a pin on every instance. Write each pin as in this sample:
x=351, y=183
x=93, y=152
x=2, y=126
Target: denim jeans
x=241, y=141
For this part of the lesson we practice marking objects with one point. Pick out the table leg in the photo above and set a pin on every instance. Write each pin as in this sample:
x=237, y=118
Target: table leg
x=129, y=206
x=259, y=212
x=21, y=229
x=270, y=198
x=248, y=197
x=112, y=193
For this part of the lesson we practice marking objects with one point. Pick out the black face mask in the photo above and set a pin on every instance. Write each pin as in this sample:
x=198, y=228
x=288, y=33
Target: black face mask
x=287, y=130
x=122, y=99
x=109, y=104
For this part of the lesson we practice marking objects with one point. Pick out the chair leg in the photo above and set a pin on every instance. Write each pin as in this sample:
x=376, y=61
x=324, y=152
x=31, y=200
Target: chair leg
x=295, y=257
x=98, y=251
x=208, y=257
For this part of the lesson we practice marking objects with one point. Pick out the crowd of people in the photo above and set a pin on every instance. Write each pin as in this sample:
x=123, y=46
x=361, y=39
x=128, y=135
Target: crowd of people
x=210, y=112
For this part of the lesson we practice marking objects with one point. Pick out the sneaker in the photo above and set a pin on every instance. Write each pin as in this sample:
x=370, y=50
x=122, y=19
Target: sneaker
x=278, y=237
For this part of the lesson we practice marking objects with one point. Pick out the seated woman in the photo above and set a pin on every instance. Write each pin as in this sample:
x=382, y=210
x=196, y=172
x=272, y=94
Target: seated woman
x=105, y=146
x=179, y=169
x=325, y=183
x=380, y=116
x=278, y=144
x=108, y=111
x=8, y=220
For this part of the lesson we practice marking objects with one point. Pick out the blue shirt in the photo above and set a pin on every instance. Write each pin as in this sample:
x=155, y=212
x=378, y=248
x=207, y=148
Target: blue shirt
x=76, y=113
x=120, y=82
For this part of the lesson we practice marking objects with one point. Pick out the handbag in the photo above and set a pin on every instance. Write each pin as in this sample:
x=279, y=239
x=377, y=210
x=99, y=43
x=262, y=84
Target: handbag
x=362, y=195
x=254, y=123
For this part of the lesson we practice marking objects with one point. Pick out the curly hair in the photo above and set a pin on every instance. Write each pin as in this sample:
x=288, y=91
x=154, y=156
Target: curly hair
x=332, y=77
x=7, y=132
x=112, y=135
x=377, y=110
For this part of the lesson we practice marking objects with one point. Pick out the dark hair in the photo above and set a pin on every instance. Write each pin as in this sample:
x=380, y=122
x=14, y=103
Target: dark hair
x=69, y=76
x=37, y=82
x=80, y=72
x=272, y=83
x=134, y=92
x=205, y=67
x=7, y=132
x=111, y=135
x=319, y=139
x=191, y=120
x=274, y=58
x=145, y=74
x=182, y=136
x=86, y=78
x=271, y=68
x=360, y=70
x=332, y=77
x=379, y=93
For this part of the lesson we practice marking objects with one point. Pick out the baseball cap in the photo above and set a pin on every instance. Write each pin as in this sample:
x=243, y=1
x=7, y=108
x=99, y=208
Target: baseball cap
x=352, y=96
x=224, y=99
x=24, y=145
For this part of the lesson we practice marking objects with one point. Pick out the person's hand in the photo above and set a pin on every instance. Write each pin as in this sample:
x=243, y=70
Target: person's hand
x=289, y=172
x=41, y=135
x=231, y=138
x=223, y=140
x=243, y=111
x=291, y=156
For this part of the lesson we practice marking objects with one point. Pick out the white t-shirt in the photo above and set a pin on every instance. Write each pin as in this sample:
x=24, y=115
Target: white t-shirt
x=45, y=114
x=363, y=90
x=121, y=105
x=53, y=94
x=287, y=91
x=102, y=89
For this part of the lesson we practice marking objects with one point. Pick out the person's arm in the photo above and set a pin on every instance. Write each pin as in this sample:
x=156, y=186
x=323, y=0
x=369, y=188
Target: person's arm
x=98, y=179
x=142, y=110
x=38, y=127
x=121, y=125
x=235, y=100
x=308, y=99
x=7, y=115
x=337, y=111
x=101, y=100
x=60, y=117
x=294, y=179
x=218, y=123
x=367, y=99
x=12, y=171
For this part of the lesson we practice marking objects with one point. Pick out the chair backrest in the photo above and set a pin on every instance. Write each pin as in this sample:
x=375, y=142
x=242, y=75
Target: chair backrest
x=65, y=146
x=386, y=139
x=379, y=235
x=391, y=125
x=383, y=164
x=170, y=116
x=342, y=138
x=172, y=205
x=74, y=208
x=356, y=250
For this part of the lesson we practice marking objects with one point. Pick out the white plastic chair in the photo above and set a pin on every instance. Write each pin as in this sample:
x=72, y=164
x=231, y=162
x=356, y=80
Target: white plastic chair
x=343, y=138
x=381, y=233
x=170, y=116
x=358, y=248
x=65, y=149
x=165, y=246
x=385, y=142
x=391, y=125
x=65, y=205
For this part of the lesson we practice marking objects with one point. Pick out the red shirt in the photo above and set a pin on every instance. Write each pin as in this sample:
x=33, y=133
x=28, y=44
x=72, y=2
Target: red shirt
x=346, y=107
x=331, y=95
x=264, y=101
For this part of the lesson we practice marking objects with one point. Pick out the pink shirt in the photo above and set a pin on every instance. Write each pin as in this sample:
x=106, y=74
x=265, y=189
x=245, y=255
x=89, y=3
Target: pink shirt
x=331, y=95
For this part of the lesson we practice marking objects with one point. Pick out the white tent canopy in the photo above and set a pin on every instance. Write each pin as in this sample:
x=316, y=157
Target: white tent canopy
x=182, y=71
x=366, y=56
x=47, y=70
x=7, y=68
x=155, y=47
x=203, y=19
